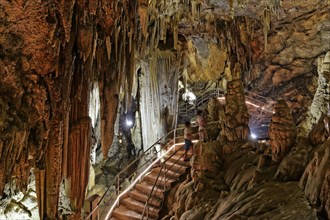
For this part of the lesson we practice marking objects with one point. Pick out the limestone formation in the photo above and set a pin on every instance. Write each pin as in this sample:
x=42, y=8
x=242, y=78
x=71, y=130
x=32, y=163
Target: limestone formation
x=236, y=114
x=282, y=131
x=318, y=133
x=321, y=100
x=294, y=163
x=52, y=53
x=315, y=180
x=215, y=115
x=208, y=163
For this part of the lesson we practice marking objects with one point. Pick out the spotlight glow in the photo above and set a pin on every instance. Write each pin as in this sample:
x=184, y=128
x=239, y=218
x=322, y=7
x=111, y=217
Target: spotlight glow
x=253, y=136
x=129, y=123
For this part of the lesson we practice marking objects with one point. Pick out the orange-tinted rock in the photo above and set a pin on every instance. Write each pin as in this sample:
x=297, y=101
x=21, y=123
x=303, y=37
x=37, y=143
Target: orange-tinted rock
x=282, y=131
x=236, y=114
x=315, y=180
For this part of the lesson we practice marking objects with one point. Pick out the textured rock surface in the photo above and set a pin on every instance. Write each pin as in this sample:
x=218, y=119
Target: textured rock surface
x=315, y=180
x=52, y=52
x=282, y=131
x=287, y=202
x=321, y=99
x=19, y=205
x=236, y=114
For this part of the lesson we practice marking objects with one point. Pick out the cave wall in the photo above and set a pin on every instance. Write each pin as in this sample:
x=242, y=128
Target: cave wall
x=49, y=54
x=158, y=86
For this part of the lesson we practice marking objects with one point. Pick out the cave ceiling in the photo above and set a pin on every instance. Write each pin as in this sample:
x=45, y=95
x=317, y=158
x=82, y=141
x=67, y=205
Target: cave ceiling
x=276, y=42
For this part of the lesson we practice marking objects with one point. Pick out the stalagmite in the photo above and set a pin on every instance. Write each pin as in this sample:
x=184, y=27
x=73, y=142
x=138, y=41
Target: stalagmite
x=266, y=25
x=236, y=114
x=282, y=131
x=321, y=98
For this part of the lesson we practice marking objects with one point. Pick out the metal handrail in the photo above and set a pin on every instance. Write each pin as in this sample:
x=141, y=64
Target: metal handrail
x=260, y=100
x=163, y=165
x=146, y=207
x=116, y=179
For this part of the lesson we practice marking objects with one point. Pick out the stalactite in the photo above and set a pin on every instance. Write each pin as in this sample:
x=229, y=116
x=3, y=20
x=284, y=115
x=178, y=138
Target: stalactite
x=79, y=143
x=40, y=190
x=175, y=35
x=162, y=30
x=109, y=89
x=117, y=32
x=143, y=14
x=193, y=9
x=53, y=168
x=266, y=25
x=231, y=7
x=108, y=45
x=130, y=39
x=153, y=37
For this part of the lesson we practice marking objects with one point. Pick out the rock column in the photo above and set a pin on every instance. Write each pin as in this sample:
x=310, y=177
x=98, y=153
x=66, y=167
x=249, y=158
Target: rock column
x=236, y=114
x=282, y=131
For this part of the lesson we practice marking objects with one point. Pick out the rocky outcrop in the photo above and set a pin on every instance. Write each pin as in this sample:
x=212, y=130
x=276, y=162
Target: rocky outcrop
x=236, y=114
x=321, y=99
x=287, y=202
x=318, y=133
x=294, y=163
x=282, y=131
x=315, y=180
x=49, y=54
x=215, y=114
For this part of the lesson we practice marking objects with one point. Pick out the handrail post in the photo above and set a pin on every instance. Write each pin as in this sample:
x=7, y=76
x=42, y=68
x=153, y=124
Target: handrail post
x=164, y=178
x=118, y=182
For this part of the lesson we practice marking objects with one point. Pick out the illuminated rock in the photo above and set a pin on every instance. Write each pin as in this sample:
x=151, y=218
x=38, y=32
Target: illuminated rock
x=282, y=131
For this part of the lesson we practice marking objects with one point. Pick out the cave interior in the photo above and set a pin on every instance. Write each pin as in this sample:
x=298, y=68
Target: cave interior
x=94, y=92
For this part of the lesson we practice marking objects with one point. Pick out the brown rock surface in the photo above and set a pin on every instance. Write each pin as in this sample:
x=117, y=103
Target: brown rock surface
x=50, y=52
x=269, y=201
x=282, y=131
x=236, y=114
x=315, y=180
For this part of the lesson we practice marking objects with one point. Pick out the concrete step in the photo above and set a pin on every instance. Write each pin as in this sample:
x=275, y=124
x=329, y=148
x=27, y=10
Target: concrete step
x=169, y=173
x=152, y=177
x=178, y=158
x=176, y=168
x=137, y=195
x=138, y=207
x=123, y=213
x=146, y=187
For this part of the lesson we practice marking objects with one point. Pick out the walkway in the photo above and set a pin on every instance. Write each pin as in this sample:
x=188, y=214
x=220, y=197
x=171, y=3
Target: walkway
x=151, y=190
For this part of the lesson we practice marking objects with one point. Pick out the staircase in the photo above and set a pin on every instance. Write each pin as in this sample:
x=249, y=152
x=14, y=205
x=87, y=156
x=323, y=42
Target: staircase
x=145, y=200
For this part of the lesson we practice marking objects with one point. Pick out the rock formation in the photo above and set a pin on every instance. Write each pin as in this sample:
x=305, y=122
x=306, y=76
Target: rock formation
x=52, y=53
x=315, y=180
x=236, y=114
x=282, y=131
x=321, y=100
x=243, y=181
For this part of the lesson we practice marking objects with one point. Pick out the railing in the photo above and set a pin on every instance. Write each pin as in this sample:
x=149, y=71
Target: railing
x=260, y=114
x=165, y=178
x=157, y=188
x=149, y=157
x=254, y=99
x=187, y=108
